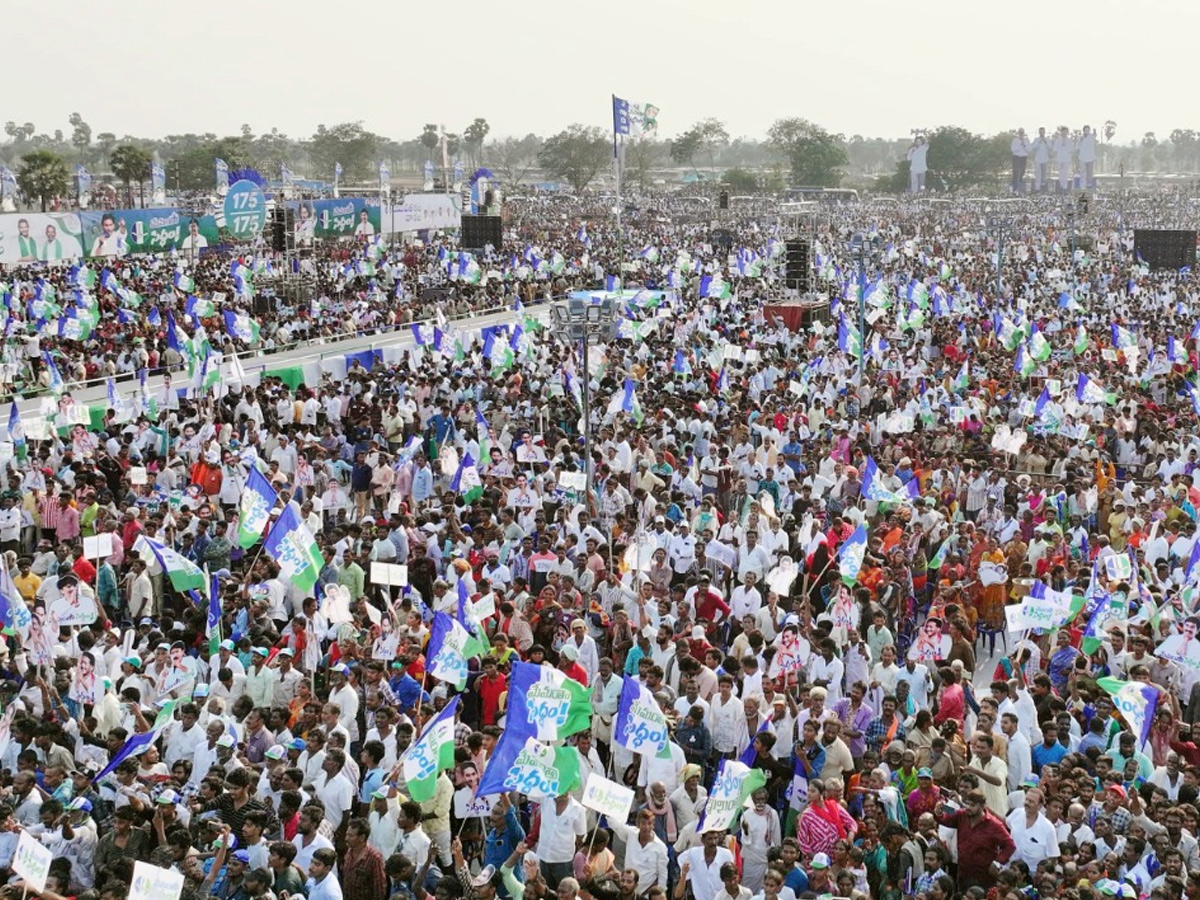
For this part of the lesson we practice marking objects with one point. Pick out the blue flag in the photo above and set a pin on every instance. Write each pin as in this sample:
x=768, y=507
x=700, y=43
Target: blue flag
x=640, y=725
x=850, y=555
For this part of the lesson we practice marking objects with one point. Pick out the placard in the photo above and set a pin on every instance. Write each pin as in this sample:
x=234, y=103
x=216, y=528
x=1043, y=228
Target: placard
x=137, y=475
x=152, y=883
x=390, y=574
x=466, y=806
x=32, y=861
x=99, y=546
x=608, y=798
x=573, y=481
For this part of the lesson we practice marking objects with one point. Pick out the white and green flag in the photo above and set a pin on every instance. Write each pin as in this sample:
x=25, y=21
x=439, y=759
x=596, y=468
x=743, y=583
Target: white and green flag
x=254, y=508
x=293, y=546
x=430, y=754
x=184, y=574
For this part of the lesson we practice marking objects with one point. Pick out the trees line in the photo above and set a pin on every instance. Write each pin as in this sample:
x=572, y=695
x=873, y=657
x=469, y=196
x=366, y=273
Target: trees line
x=795, y=151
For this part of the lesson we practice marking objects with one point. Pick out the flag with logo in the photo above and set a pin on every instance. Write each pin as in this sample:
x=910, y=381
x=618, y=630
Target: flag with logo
x=448, y=650
x=1136, y=702
x=293, y=546
x=522, y=763
x=16, y=432
x=183, y=574
x=545, y=703
x=1088, y=390
x=430, y=754
x=640, y=725
x=466, y=482
x=222, y=171
x=254, y=508
x=241, y=327
x=139, y=742
x=734, y=784
x=850, y=555
x=212, y=624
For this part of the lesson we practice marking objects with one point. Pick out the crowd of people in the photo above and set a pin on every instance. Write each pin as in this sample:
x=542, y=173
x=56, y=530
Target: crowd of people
x=929, y=590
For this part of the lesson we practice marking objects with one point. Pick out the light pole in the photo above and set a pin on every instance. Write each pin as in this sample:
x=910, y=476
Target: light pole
x=863, y=250
x=579, y=321
x=1000, y=226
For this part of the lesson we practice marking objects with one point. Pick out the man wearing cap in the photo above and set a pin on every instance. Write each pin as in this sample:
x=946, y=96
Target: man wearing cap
x=74, y=838
x=587, y=653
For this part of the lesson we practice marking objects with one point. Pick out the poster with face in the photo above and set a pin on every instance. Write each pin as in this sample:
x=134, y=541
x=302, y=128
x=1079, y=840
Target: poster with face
x=43, y=632
x=792, y=651
x=1183, y=648
x=85, y=685
x=930, y=644
x=69, y=601
x=387, y=641
x=176, y=673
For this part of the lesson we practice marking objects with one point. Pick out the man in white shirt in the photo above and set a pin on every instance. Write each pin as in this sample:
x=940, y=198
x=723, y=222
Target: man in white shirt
x=1020, y=753
x=563, y=821
x=1087, y=157
x=701, y=866
x=333, y=788
x=308, y=839
x=1041, y=160
x=1035, y=837
x=1020, y=156
x=322, y=883
x=645, y=853
x=917, y=164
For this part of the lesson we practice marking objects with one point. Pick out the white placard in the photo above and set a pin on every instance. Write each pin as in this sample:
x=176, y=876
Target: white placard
x=137, y=475
x=796, y=388
x=152, y=883
x=608, y=798
x=32, y=861
x=573, y=481
x=484, y=608
x=98, y=547
x=466, y=807
x=389, y=573
x=36, y=429
x=732, y=352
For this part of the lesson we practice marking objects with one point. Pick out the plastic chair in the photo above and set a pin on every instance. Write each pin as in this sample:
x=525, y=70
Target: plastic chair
x=984, y=631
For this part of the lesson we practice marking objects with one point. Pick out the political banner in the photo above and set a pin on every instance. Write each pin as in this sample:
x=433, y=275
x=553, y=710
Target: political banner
x=423, y=212
x=121, y=232
x=608, y=798
x=640, y=726
x=32, y=861
x=345, y=217
x=1042, y=608
x=44, y=237
x=152, y=883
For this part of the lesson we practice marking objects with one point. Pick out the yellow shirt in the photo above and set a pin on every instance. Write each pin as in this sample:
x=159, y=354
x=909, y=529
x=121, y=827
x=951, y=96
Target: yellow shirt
x=27, y=585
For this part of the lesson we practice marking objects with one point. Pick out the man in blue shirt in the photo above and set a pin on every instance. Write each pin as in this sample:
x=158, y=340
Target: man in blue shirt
x=504, y=833
x=1049, y=751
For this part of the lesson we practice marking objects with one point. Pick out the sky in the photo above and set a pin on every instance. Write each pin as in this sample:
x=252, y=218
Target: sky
x=874, y=67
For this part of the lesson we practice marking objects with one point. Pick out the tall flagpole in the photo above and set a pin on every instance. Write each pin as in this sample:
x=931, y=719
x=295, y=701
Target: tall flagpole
x=617, y=135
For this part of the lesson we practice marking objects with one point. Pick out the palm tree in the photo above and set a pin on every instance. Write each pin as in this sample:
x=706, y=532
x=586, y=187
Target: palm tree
x=130, y=164
x=43, y=174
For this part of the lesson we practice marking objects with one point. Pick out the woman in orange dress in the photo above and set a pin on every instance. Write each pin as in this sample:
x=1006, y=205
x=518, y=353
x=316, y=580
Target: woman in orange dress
x=991, y=601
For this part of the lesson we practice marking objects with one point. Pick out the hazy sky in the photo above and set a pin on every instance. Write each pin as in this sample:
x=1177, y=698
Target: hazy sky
x=872, y=67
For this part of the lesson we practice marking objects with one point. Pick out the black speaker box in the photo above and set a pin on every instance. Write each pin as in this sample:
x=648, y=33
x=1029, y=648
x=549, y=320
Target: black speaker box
x=1162, y=249
x=479, y=231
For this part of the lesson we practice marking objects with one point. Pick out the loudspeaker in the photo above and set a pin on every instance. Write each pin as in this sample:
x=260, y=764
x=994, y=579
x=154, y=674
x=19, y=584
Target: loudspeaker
x=796, y=271
x=479, y=231
x=1161, y=249
x=278, y=235
x=723, y=200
